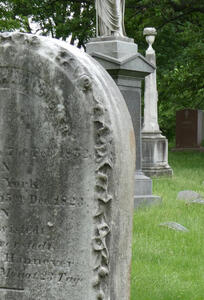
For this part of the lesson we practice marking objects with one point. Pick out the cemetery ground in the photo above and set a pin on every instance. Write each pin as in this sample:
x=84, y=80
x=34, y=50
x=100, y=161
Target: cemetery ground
x=169, y=264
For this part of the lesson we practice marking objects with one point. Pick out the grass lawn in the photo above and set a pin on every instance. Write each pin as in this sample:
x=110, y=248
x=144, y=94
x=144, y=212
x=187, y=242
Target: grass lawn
x=166, y=264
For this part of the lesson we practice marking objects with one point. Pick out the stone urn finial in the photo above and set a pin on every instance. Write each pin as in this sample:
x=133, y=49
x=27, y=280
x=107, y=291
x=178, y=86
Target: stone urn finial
x=150, y=33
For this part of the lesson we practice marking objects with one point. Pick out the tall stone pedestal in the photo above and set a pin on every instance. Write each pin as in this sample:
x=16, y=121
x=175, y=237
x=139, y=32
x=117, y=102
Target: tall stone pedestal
x=154, y=145
x=155, y=155
x=120, y=57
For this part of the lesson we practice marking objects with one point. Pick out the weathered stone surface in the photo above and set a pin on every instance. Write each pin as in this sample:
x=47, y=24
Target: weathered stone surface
x=188, y=195
x=66, y=175
x=174, y=226
x=155, y=155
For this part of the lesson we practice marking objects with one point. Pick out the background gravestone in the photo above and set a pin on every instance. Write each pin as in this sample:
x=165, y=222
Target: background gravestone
x=66, y=191
x=189, y=128
x=154, y=144
x=119, y=56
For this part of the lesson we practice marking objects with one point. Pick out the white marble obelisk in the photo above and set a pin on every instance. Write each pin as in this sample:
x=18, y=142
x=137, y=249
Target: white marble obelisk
x=154, y=144
x=151, y=95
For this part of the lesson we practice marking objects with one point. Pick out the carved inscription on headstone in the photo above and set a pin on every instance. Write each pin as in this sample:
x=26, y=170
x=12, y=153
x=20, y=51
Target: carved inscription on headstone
x=57, y=190
x=44, y=197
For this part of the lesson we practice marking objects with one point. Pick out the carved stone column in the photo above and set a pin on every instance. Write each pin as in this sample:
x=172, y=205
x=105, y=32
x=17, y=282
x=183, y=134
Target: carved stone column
x=154, y=144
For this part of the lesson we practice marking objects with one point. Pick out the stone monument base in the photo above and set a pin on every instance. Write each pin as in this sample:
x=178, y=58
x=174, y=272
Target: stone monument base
x=146, y=200
x=155, y=155
x=110, y=48
x=143, y=192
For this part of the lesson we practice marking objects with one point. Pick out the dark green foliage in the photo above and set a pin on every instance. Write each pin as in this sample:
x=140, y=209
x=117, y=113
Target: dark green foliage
x=179, y=43
x=59, y=19
x=180, y=52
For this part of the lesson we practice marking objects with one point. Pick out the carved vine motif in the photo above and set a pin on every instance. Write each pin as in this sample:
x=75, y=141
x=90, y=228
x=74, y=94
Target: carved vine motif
x=104, y=164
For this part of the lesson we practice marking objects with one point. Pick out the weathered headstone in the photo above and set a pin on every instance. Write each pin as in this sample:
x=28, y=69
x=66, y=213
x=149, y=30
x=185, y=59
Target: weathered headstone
x=175, y=226
x=188, y=195
x=189, y=128
x=66, y=175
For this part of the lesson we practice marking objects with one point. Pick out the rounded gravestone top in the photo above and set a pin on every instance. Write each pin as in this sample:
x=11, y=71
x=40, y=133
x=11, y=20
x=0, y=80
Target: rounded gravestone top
x=174, y=226
x=66, y=189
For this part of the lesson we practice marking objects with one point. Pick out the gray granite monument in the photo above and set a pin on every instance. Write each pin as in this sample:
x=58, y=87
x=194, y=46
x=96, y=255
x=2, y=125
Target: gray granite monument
x=66, y=191
x=119, y=55
x=154, y=144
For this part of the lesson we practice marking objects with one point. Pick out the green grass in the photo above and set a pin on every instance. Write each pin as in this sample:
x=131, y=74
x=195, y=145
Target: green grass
x=166, y=264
